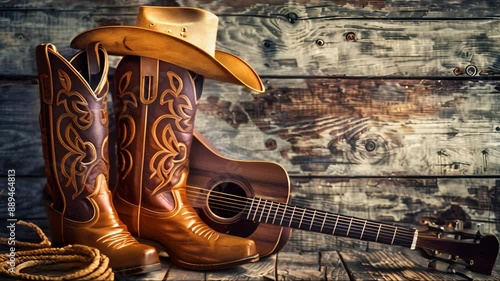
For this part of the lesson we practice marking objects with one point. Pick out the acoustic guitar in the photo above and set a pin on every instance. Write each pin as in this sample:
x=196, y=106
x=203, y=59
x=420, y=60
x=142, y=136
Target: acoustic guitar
x=251, y=199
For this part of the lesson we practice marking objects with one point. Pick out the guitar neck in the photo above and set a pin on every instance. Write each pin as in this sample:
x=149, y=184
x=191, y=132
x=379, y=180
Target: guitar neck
x=270, y=212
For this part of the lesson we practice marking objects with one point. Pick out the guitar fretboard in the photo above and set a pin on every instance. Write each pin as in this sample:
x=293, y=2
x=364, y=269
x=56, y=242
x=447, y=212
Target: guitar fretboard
x=267, y=211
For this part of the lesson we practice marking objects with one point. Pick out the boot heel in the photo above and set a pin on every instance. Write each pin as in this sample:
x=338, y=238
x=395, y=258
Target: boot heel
x=162, y=250
x=78, y=159
x=55, y=226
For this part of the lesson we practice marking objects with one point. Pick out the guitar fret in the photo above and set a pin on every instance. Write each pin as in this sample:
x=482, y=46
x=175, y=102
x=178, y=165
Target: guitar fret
x=312, y=220
x=283, y=216
x=270, y=215
x=333, y=232
x=250, y=209
x=363, y=231
x=301, y=218
x=394, y=236
x=263, y=210
x=378, y=232
x=270, y=209
x=323, y=224
x=349, y=228
x=256, y=209
x=291, y=217
x=276, y=213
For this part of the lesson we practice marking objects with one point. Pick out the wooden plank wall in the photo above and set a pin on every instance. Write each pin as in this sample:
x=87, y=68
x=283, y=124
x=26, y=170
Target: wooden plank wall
x=386, y=110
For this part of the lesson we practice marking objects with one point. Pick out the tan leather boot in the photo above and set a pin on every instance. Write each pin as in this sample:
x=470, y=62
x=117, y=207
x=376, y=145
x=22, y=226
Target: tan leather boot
x=74, y=126
x=155, y=105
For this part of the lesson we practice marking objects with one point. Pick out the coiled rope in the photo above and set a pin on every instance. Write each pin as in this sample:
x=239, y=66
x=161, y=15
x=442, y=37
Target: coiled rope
x=91, y=263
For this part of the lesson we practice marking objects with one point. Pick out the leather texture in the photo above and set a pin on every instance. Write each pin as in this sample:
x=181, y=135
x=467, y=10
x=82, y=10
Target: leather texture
x=155, y=105
x=74, y=127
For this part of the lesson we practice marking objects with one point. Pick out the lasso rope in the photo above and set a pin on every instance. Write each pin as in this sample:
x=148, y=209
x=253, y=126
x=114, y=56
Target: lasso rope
x=94, y=265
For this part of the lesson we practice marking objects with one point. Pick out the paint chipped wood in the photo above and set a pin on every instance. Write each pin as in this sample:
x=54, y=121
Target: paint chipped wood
x=290, y=39
x=369, y=127
x=397, y=150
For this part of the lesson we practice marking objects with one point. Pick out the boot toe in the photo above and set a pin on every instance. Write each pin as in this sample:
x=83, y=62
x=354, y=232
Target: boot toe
x=135, y=259
x=237, y=249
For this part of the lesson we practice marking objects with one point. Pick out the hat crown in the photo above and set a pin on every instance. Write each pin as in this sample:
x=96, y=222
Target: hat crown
x=195, y=26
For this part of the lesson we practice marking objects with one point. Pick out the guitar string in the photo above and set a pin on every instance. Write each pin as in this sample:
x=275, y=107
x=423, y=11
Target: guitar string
x=376, y=235
x=308, y=214
x=354, y=227
x=241, y=204
x=421, y=243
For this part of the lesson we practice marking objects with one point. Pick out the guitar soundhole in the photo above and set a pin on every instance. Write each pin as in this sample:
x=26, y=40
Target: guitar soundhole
x=225, y=204
x=227, y=200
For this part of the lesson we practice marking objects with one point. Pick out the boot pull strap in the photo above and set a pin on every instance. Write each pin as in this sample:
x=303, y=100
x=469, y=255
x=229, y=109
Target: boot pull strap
x=198, y=83
x=93, y=64
x=44, y=73
x=149, y=79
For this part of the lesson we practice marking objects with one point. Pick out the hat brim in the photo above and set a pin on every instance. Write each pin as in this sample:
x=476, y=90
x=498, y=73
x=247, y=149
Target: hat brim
x=138, y=41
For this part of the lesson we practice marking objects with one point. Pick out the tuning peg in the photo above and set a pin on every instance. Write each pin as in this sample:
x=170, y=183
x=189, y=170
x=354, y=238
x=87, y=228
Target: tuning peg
x=480, y=227
x=432, y=264
x=435, y=228
x=451, y=268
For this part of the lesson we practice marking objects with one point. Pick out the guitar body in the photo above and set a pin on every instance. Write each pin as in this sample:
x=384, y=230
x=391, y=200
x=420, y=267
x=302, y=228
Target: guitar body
x=212, y=172
x=250, y=199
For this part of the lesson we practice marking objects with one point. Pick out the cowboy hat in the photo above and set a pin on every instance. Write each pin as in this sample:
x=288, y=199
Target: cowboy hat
x=180, y=35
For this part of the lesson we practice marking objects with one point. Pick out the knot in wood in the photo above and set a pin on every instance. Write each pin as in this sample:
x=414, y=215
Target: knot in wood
x=370, y=145
x=267, y=43
x=292, y=17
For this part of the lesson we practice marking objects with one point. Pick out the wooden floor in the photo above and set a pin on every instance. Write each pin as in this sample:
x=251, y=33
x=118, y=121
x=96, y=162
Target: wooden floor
x=331, y=265
x=376, y=262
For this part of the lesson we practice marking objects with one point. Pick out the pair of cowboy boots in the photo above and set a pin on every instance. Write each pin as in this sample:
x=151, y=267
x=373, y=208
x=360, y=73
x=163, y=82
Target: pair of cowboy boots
x=155, y=105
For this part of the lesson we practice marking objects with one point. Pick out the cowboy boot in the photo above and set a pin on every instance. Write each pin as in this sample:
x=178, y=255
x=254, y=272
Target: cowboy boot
x=74, y=127
x=155, y=105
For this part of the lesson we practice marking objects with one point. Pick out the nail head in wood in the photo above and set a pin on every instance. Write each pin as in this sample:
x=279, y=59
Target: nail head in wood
x=471, y=70
x=320, y=42
x=350, y=36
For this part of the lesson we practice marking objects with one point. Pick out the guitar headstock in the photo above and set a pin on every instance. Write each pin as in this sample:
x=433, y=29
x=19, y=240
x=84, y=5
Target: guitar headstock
x=474, y=251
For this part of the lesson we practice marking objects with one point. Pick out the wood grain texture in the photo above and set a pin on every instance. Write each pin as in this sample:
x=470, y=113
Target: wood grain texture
x=365, y=9
x=28, y=198
x=393, y=266
x=257, y=271
x=342, y=127
x=288, y=39
x=298, y=266
x=334, y=268
x=368, y=107
x=409, y=202
x=339, y=8
x=319, y=46
x=382, y=265
x=20, y=141
x=360, y=127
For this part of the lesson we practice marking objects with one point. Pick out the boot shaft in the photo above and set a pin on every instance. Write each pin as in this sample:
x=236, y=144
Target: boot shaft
x=155, y=105
x=74, y=126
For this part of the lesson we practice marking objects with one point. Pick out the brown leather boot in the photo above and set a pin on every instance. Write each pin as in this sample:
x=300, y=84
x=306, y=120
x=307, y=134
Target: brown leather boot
x=155, y=105
x=74, y=126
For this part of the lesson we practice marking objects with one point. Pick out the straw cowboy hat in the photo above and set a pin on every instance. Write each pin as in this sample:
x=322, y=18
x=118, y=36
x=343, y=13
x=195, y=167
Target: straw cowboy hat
x=179, y=35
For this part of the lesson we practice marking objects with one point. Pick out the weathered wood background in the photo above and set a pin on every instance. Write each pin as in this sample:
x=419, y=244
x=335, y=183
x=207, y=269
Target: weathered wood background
x=386, y=110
